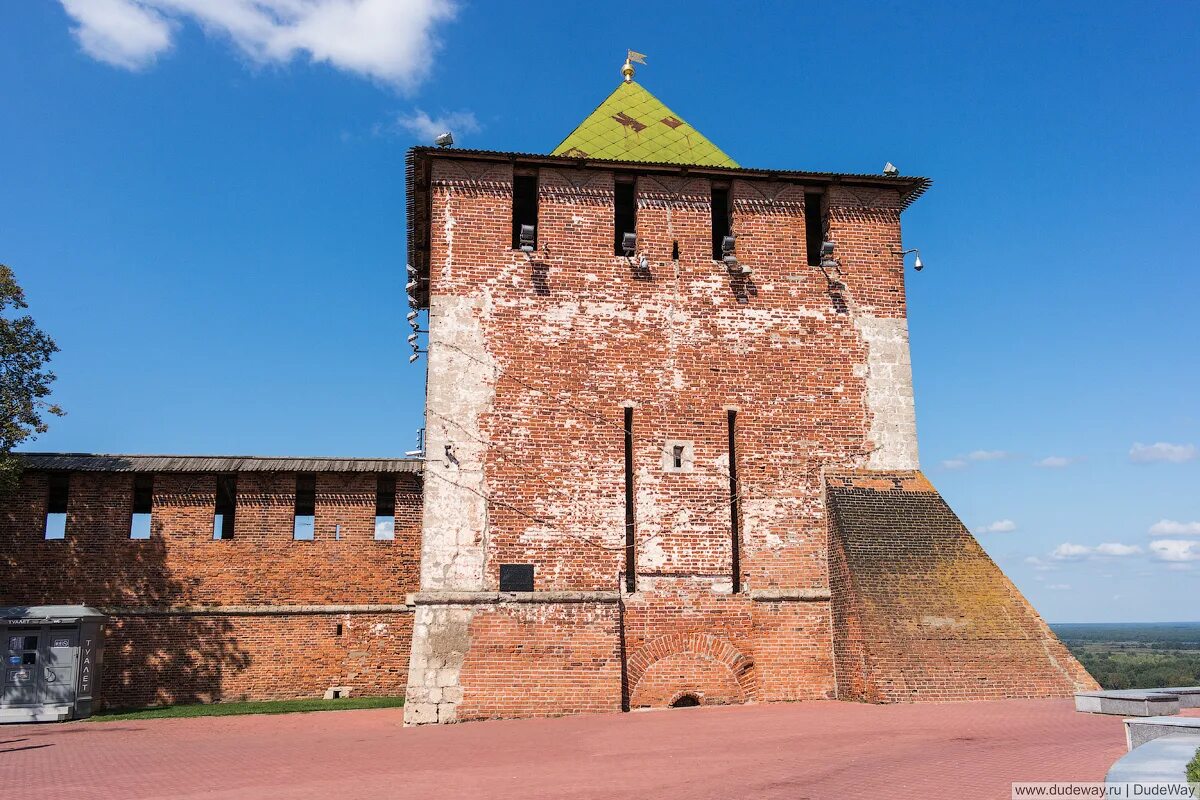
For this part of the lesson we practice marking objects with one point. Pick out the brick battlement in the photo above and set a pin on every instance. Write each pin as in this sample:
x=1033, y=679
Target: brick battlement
x=257, y=616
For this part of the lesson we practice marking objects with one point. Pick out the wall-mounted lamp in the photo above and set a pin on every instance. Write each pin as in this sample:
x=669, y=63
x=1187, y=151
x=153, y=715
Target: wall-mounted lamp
x=629, y=244
x=728, y=245
x=528, y=238
x=918, y=265
x=827, y=259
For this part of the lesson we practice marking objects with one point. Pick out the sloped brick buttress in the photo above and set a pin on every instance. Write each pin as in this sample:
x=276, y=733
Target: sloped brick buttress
x=920, y=611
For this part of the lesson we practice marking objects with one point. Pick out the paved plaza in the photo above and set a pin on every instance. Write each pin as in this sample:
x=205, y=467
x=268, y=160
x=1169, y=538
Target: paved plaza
x=813, y=750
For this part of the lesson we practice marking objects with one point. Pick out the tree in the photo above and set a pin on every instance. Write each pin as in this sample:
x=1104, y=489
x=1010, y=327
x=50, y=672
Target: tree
x=25, y=350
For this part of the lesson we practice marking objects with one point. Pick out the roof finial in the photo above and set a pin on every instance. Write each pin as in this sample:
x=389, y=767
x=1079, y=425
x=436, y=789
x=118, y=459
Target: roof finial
x=632, y=57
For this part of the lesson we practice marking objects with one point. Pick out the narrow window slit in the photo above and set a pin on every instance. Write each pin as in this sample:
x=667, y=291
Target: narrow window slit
x=58, y=497
x=734, y=522
x=143, y=506
x=720, y=220
x=814, y=227
x=385, y=508
x=624, y=215
x=226, y=507
x=304, y=525
x=524, y=207
x=630, y=543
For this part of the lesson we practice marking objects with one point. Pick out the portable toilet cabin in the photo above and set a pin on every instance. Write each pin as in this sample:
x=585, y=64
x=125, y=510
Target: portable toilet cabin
x=52, y=660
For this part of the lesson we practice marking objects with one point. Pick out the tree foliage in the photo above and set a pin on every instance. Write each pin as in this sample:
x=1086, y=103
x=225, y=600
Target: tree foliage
x=25, y=381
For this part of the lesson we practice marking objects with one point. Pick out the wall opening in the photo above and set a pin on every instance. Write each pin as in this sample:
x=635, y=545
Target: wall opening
x=721, y=223
x=226, y=507
x=814, y=226
x=674, y=249
x=516, y=577
x=624, y=214
x=630, y=543
x=143, y=506
x=304, y=519
x=686, y=701
x=57, y=498
x=385, y=507
x=524, y=206
x=338, y=630
x=734, y=515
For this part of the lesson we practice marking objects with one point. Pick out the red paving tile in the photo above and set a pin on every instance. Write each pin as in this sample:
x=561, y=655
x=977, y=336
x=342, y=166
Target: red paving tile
x=812, y=750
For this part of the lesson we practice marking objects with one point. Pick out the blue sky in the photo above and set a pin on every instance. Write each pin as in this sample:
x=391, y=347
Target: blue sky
x=204, y=202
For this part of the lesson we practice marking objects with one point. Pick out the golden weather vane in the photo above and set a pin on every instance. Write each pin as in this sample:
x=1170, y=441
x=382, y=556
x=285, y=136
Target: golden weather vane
x=632, y=57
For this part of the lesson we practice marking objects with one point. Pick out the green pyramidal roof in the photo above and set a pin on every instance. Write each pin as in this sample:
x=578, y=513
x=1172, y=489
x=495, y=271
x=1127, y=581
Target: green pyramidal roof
x=634, y=125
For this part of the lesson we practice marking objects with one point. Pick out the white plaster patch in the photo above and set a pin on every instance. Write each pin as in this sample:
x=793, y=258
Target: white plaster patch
x=889, y=396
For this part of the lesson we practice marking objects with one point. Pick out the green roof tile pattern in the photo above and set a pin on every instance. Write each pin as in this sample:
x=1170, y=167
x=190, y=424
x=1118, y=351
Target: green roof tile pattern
x=634, y=125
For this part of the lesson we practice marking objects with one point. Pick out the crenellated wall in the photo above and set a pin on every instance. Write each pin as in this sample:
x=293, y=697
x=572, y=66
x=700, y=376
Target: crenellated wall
x=196, y=619
x=533, y=360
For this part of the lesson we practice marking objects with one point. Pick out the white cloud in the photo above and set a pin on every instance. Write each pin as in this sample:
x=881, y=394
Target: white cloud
x=1055, y=462
x=1059, y=587
x=959, y=462
x=1169, y=527
x=425, y=127
x=999, y=526
x=1161, y=451
x=1117, y=550
x=1175, y=550
x=1077, y=552
x=119, y=32
x=388, y=40
x=1070, y=552
x=1040, y=565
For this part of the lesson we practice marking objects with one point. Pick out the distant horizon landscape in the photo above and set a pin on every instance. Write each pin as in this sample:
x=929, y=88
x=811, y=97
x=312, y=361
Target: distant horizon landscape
x=1135, y=655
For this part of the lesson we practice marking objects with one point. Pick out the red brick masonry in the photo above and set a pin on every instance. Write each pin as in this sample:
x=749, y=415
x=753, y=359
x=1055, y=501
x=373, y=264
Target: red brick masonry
x=257, y=616
x=920, y=612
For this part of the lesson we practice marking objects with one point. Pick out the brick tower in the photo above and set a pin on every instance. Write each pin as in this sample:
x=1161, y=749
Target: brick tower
x=672, y=453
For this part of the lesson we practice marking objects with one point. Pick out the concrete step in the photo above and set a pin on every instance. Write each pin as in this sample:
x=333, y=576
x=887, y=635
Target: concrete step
x=1128, y=702
x=1163, y=760
x=35, y=714
x=1147, y=729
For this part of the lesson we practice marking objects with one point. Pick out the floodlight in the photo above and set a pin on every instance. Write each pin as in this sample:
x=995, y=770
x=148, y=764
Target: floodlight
x=408, y=287
x=827, y=248
x=411, y=317
x=413, y=358
x=727, y=244
x=917, y=265
x=412, y=272
x=412, y=338
x=890, y=170
x=444, y=140
x=629, y=243
x=528, y=238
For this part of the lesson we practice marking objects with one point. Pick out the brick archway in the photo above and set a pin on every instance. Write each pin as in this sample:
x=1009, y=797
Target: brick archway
x=711, y=668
